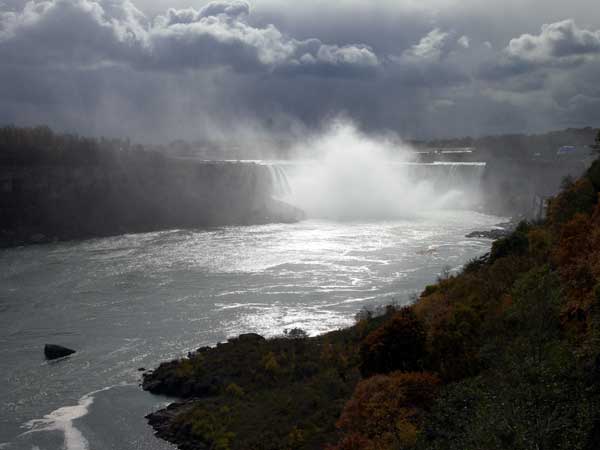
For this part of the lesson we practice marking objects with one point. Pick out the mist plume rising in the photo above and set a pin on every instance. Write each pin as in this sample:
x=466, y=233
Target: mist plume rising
x=354, y=176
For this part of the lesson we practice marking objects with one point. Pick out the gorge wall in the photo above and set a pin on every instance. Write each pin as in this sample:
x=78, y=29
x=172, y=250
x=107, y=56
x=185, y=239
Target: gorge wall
x=519, y=186
x=56, y=202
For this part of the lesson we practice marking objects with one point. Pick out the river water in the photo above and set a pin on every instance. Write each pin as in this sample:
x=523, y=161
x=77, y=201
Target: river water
x=133, y=301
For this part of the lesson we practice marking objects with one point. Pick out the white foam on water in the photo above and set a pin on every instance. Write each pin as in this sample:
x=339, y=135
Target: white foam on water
x=62, y=420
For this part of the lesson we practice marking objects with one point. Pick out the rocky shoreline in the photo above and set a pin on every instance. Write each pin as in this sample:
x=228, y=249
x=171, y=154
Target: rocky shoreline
x=161, y=421
x=500, y=231
x=259, y=391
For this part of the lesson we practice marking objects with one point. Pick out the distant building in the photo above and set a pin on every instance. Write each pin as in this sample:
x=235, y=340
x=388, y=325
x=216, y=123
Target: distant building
x=566, y=150
x=576, y=152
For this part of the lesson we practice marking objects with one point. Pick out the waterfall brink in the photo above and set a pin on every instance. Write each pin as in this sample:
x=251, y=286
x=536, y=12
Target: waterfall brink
x=448, y=176
x=279, y=181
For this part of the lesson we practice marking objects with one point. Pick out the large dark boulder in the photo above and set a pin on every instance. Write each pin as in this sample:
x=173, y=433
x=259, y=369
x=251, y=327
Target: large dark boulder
x=250, y=337
x=56, y=351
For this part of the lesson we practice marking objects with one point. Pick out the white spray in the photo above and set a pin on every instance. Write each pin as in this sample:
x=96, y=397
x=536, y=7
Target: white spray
x=356, y=177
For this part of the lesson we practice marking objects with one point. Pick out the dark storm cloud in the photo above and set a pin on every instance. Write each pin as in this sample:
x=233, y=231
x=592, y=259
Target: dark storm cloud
x=562, y=45
x=430, y=62
x=555, y=41
x=84, y=32
x=160, y=69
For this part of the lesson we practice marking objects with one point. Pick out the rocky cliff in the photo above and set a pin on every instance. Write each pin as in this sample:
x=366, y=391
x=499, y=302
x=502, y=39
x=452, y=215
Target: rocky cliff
x=48, y=202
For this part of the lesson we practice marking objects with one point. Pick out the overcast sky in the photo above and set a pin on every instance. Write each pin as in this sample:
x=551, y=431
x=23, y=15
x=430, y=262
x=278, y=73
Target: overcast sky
x=156, y=70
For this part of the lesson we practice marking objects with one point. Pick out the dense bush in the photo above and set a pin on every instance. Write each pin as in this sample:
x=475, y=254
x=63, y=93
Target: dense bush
x=40, y=146
x=399, y=344
x=514, y=244
x=387, y=411
x=578, y=197
x=593, y=174
x=264, y=394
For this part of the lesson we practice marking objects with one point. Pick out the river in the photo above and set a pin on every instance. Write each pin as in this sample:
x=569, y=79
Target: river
x=132, y=301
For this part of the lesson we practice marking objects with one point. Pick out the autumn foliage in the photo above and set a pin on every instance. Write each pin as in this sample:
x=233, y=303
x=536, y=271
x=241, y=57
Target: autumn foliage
x=504, y=355
x=399, y=344
x=577, y=197
x=387, y=411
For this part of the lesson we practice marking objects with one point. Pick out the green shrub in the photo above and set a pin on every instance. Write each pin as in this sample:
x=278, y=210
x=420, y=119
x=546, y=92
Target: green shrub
x=515, y=244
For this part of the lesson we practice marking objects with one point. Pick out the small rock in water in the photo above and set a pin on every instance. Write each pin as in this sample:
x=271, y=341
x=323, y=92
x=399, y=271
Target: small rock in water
x=141, y=369
x=56, y=351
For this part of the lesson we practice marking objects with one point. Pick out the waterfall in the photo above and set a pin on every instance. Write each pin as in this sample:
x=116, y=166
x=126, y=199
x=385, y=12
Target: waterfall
x=373, y=188
x=445, y=176
x=279, y=181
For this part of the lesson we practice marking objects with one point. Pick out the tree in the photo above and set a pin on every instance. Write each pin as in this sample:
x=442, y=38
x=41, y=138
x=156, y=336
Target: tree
x=398, y=344
x=295, y=333
x=387, y=411
x=578, y=198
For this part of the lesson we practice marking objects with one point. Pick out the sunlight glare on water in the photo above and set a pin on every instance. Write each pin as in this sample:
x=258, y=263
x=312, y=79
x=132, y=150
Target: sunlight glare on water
x=135, y=300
